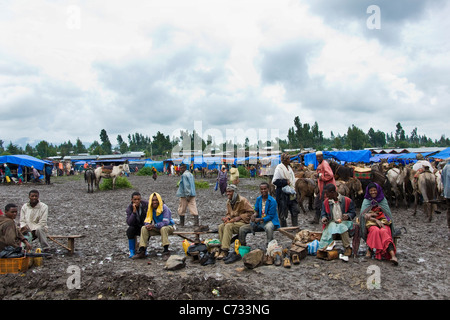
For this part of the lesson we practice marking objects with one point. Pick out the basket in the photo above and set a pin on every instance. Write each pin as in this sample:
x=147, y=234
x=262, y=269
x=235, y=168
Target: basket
x=14, y=265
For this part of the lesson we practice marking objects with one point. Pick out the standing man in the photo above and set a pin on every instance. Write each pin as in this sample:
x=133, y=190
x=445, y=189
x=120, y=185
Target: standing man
x=33, y=219
x=283, y=177
x=265, y=217
x=325, y=177
x=48, y=174
x=445, y=175
x=9, y=234
x=186, y=193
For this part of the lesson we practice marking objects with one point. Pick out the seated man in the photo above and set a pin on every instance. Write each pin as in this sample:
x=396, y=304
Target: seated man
x=265, y=217
x=136, y=214
x=157, y=222
x=239, y=211
x=337, y=213
x=9, y=234
x=33, y=220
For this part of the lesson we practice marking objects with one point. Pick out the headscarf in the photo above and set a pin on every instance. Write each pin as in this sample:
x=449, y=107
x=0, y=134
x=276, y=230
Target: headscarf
x=234, y=197
x=380, y=194
x=159, y=210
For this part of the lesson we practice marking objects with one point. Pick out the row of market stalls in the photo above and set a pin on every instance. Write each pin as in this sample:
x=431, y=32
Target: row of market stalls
x=266, y=164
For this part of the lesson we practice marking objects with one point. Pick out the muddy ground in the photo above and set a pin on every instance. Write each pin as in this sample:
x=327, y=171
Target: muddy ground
x=108, y=274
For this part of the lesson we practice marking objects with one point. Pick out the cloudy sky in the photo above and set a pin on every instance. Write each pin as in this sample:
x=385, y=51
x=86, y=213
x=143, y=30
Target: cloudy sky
x=69, y=69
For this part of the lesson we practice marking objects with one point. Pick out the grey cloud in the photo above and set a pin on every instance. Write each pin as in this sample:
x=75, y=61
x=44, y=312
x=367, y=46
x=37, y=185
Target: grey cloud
x=394, y=14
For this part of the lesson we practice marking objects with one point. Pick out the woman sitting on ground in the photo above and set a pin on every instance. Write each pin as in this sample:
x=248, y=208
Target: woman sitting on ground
x=377, y=224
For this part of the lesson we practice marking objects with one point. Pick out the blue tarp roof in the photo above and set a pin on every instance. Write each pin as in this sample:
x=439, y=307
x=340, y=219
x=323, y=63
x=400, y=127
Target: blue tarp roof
x=158, y=165
x=444, y=154
x=342, y=156
x=24, y=160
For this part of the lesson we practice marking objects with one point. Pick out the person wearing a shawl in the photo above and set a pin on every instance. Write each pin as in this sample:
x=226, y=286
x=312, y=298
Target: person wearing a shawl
x=325, y=177
x=222, y=179
x=234, y=175
x=377, y=224
x=158, y=221
x=337, y=214
x=239, y=212
x=282, y=177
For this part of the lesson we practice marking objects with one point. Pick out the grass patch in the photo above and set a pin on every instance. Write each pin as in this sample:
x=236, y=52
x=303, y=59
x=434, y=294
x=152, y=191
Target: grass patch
x=201, y=184
x=145, y=171
x=121, y=183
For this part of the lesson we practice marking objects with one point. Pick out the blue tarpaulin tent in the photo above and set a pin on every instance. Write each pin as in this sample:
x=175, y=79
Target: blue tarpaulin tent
x=24, y=160
x=342, y=156
x=158, y=165
x=444, y=154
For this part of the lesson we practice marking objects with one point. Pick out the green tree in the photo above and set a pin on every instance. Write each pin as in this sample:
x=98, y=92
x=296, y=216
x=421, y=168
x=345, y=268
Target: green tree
x=123, y=147
x=106, y=144
x=356, y=138
x=79, y=147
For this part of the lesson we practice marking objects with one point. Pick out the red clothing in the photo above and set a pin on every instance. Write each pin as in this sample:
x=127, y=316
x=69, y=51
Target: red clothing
x=379, y=239
x=326, y=175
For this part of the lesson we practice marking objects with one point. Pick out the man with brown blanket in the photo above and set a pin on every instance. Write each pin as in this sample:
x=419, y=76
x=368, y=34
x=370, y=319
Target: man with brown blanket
x=9, y=234
x=239, y=212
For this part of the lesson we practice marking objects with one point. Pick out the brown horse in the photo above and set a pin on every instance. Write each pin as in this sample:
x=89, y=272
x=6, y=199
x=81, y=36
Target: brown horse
x=305, y=188
x=89, y=177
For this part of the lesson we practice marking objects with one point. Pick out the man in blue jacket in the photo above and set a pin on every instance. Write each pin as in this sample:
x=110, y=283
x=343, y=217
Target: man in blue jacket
x=265, y=217
x=186, y=193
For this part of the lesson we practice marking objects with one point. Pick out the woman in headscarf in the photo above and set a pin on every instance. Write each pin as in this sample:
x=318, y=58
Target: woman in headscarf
x=222, y=179
x=377, y=224
x=158, y=221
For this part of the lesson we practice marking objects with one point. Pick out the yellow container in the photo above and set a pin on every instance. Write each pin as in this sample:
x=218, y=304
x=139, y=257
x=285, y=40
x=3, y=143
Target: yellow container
x=38, y=260
x=186, y=245
x=237, y=244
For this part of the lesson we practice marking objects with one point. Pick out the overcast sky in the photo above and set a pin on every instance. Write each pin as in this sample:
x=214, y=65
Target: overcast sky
x=69, y=69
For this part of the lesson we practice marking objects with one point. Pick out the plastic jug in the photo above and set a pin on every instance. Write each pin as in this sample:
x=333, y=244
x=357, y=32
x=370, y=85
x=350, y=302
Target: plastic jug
x=186, y=245
x=237, y=244
x=37, y=260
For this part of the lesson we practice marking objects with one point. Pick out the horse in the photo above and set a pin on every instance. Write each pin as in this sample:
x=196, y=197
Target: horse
x=89, y=177
x=426, y=186
x=398, y=180
x=305, y=188
x=102, y=172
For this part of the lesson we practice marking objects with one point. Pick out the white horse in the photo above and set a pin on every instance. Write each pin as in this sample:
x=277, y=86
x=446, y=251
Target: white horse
x=102, y=172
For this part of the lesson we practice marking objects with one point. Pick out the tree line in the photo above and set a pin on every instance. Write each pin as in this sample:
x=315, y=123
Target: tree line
x=300, y=136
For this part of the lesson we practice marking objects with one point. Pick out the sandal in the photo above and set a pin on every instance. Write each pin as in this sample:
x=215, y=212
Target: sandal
x=277, y=259
x=295, y=259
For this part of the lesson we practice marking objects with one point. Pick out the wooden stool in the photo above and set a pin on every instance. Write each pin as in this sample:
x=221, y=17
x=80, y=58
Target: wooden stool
x=70, y=241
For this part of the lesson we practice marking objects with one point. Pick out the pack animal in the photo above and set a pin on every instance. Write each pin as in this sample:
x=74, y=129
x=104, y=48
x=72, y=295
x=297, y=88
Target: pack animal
x=305, y=188
x=110, y=174
x=426, y=186
x=89, y=177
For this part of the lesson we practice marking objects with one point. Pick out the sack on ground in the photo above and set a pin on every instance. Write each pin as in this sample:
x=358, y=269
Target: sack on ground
x=253, y=259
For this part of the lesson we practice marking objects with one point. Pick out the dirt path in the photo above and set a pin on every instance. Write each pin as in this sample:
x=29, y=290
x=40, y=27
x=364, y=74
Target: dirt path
x=107, y=273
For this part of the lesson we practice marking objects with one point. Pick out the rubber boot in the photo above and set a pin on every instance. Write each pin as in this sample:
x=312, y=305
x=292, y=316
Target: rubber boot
x=196, y=221
x=181, y=221
x=132, y=247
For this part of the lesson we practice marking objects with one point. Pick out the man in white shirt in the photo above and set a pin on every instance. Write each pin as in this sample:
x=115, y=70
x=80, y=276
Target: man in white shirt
x=33, y=219
x=282, y=177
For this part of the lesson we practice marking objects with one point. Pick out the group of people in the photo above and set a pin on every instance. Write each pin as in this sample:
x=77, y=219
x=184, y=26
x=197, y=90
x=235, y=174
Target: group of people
x=154, y=218
x=21, y=174
x=337, y=214
x=32, y=224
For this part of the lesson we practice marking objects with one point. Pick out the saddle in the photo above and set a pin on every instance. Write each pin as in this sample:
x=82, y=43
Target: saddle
x=107, y=169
